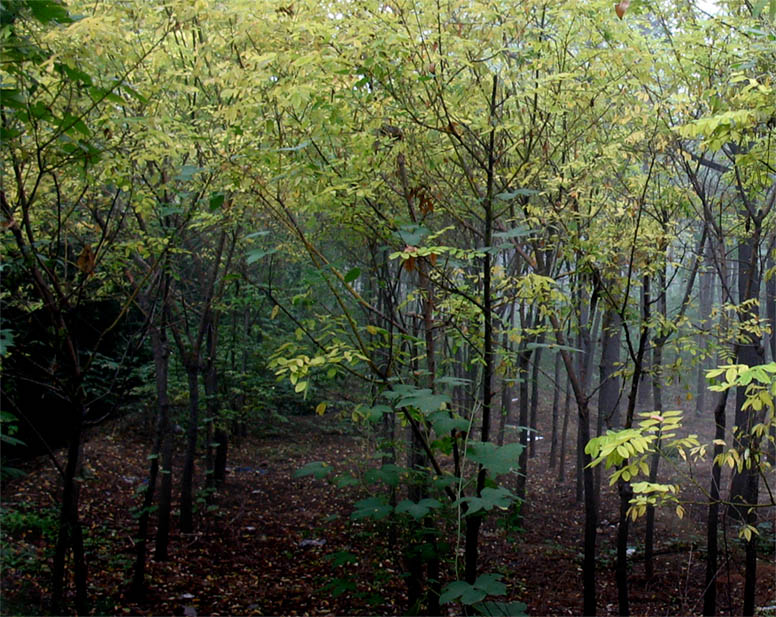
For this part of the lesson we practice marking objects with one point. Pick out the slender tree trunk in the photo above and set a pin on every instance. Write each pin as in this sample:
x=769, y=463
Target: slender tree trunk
x=705, y=302
x=161, y=363
x=624, y=488
x=555, y=414
x=523, y=364
x=710, y=589
x=770, y=301
x=563, y=433
x=744, y=488
x=506, y=405
x=165, y=498
x=770, y=304
x=506, y=385
x=591, y=511
x=657, y=399
x=474, y=521
x=217, y=442
x=187, y=480
x=70, y=535
x=609, y=391
x=537, y=360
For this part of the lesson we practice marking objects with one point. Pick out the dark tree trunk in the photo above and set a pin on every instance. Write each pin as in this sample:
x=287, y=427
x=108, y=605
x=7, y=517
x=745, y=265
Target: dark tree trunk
x=744, y=488
x=705, y=302
x=591, y=511
x=770, y=300
x=506, y=384
x=161, y=354
x=165, y=501
x=657, y=400
x=506, y=408
x=537, y=360
x=473, y=522
x=710, y=589
x=523, y=364
x=609, y=391
x=555, y=414
x=70, y=535
x=624, y=488
x=212, y=404
x=563, y=433
x=626, y=494
x=187, y=480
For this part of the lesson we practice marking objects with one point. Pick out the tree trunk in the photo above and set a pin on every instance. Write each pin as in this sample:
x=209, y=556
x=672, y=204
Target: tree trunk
x=744, y=488
x=161, y=362
x=523, y=364
x=657, y=400
x=710, y=589
x=705, y=302
x=537, y=360
x=563, y=433
x=165, y=501
x=609, y=391
x=624, y=488
x=70, y=535
x=187, y=480
x=555, y=403
x=591, y=520
x=213, y=407
x=473, y=522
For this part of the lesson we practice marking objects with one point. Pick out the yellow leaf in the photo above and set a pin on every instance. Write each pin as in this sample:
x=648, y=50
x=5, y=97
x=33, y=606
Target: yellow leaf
x=274, y=312
x=320, y=409
x=299, y=387
x=371, y=329
x=679, y=511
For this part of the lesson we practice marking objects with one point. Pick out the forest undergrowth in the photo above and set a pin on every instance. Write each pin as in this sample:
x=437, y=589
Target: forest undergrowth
x=269, y=544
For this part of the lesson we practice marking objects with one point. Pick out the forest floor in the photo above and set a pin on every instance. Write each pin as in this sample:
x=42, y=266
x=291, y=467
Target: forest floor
x=264, y=545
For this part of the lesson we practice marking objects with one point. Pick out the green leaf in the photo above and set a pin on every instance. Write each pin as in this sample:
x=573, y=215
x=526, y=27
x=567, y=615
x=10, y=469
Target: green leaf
x=12, y=98
x=515, y=232
x=255, y=255
x=485, y=585
x=372, y=507
x=501, y=609
x=296, y=148
x=497, y=460
x=423, y=399
x=6, y=342
x=187, y=172
x=453, y=591
x=412, y=234
x=417, y=510
x=491, y=584
x=516, y=193
x=345, y=480
x=453, y=381
x=318, y=469
x=389, y=474
x=352, y=275
x=375, y=414
x=216, y=201
x=49, y=10
x=443, y=423
x=490, y=498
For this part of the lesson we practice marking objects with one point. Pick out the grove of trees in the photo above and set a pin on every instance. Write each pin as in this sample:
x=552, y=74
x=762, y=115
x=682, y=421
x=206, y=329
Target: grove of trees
x=428, y=218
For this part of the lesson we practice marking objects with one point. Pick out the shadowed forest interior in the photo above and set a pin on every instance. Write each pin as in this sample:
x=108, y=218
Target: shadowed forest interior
x=388, y=307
